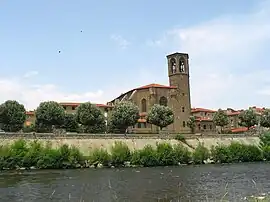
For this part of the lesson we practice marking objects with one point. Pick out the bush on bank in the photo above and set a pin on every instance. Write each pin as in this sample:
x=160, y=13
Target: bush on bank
x=21, y=155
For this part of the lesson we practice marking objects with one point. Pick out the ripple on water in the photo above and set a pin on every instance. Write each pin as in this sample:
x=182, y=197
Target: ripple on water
x=189, y=183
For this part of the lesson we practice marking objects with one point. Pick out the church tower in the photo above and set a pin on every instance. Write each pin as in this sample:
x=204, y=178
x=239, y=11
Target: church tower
x=178, y=71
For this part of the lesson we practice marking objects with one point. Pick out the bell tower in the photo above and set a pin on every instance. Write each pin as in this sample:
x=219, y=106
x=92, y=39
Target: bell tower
x=178, y=71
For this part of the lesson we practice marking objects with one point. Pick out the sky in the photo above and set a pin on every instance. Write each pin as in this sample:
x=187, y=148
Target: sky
x=109, y=47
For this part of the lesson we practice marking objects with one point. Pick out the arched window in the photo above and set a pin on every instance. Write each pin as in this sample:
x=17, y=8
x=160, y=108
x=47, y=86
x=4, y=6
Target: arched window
x=143, y=105
x=163, y=101
x=182, y=65
x=173, y=65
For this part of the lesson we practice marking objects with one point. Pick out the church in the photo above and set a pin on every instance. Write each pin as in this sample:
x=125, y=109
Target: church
x=176, y=96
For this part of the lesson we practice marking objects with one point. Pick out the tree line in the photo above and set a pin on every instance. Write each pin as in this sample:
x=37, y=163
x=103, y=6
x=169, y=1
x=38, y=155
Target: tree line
x=88, y=118
x=247, y=118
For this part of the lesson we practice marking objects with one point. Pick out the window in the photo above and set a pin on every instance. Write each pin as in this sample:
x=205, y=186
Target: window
x=173, y=65
x=64, y=107
x=184, y=124
x=204, y=127
x=210, y=127
x=163, y=101
x=143, y=105
x=183, y=109
x=139, y=125
x=143, y=125
x=73, y=108
x=182, y=65
x=205, y=113
x=199, y=126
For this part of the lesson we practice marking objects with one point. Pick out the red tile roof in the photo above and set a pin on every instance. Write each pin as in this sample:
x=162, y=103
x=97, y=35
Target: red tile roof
x=154, y=85
x=233, y=113
x=143, y=114
x=238, y=130
x=243, y=129
x=76, y=104
x=142, y=120
x=193, y=110
x=29, y=113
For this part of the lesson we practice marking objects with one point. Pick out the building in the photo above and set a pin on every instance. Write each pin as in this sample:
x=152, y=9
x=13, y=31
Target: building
x=204, y=120
x=70, y=108
x=176, y=95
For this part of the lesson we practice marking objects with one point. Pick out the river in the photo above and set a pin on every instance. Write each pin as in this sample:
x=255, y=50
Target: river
x=187, y=183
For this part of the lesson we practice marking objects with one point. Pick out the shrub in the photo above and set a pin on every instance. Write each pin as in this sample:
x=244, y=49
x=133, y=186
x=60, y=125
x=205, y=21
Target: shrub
x=236, y=152
x=265, y=139
x=100, y=156
x=146, y=157
x=180, y=138
x=182, y=154
x=221, y=154
x=35, y=151
x=266, y=152
x=29, y=129
x=136, y=158
x=165, y=154
x=17, y=152
x=200, y=154
x=120, y=153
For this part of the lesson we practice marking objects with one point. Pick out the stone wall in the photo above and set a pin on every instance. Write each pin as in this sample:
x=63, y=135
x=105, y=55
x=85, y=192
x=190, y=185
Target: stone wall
x=87, y=142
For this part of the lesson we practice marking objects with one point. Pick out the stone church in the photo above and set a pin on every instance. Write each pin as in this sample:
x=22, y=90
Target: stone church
x=176, y=96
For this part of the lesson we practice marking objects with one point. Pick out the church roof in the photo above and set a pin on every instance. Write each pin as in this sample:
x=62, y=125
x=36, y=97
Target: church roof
x=155, y=85
x=152, y=85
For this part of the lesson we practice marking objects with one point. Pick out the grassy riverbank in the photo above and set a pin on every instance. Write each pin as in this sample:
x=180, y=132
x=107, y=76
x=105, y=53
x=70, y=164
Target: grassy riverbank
x=21, y=155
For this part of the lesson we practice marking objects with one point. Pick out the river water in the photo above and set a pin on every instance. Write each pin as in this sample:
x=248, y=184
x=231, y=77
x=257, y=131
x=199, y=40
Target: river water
x=187, y=183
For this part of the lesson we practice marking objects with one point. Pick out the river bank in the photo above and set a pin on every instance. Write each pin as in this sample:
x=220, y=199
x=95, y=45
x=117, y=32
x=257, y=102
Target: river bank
x=22, y=154
x=88, y=142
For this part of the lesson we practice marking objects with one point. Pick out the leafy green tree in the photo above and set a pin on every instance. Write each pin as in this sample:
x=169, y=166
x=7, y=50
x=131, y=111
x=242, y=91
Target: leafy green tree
x=161, y=116
x=123, y=115
x=192, y=123
x=90, y=117
x=221, y=119
x=70, y=123
x=12, y=116
x=49, y=114
x=265, y=118
x=248, y=118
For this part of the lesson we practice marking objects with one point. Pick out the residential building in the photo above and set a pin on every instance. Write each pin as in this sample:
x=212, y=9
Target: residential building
x=204, y=120
x=70, y=108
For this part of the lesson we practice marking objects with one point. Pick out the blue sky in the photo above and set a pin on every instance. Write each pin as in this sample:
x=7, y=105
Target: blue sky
x=110, y=47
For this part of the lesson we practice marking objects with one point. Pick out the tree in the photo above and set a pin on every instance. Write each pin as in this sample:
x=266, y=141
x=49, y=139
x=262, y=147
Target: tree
x=221, y=119
x=248, y=118
x=192, y=123
x=12, y=116
x=160, y=116
x=49, y=114
x=124, y=114
x=265, y=118
x=70, y=123
x=90, y=117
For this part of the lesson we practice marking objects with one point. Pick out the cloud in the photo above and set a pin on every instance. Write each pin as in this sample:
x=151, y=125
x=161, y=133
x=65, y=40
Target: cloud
x=32, y=94
x=226, y=58
x=120, y=41
x=30, y=74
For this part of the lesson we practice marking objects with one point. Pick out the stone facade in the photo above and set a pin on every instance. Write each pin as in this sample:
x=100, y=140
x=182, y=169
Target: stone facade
x=204, y=120
x=176, y=96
